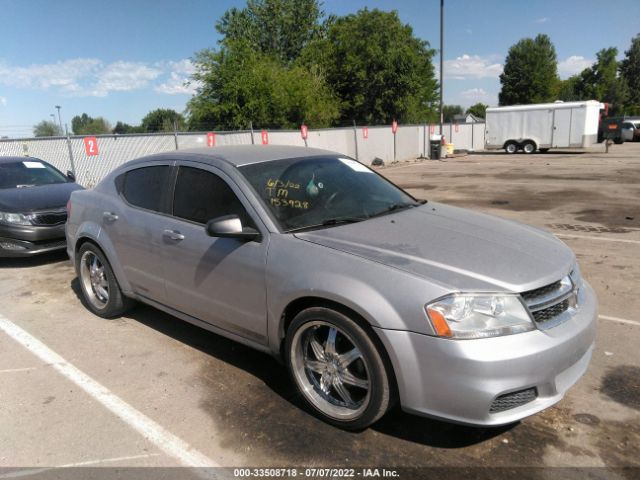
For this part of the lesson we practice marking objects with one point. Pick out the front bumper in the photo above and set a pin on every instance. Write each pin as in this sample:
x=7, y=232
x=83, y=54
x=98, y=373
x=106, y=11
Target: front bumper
x=24, y=241
x=459, y=380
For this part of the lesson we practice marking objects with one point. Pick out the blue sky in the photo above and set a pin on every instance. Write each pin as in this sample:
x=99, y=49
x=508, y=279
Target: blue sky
x=119, y=59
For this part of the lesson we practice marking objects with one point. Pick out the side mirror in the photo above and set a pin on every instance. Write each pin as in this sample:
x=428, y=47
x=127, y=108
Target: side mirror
x=71, y=176
x=230, y=226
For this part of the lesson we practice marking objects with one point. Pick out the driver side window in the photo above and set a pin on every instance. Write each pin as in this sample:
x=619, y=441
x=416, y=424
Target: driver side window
x=201, y=196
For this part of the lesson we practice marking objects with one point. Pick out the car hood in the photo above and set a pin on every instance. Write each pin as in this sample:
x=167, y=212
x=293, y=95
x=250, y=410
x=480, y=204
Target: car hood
x=31, y=199
x=456, y=248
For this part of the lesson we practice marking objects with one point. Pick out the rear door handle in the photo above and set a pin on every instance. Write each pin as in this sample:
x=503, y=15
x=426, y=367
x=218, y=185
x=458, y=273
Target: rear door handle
x=173, y=235
x=109, y=216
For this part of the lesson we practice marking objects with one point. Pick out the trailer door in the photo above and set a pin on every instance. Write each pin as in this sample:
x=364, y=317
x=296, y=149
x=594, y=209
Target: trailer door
x=561, y=127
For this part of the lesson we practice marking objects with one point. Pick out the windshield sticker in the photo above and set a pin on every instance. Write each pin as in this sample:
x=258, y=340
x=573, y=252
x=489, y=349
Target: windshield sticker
x=355, y=166
x=33, y=164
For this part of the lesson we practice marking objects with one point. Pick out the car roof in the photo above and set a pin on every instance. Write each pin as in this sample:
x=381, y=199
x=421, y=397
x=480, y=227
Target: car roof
x=16, y=158
x=240, y=155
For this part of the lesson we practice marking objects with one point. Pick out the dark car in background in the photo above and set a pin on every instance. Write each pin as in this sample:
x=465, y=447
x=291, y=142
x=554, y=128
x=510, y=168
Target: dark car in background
x=33, y=199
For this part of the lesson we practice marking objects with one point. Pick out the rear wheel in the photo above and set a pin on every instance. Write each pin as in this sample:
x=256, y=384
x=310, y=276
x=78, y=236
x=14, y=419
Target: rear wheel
x=511, y=147
x=618, y=141
x=337, y=368
x=529, y=147
x=100, y=289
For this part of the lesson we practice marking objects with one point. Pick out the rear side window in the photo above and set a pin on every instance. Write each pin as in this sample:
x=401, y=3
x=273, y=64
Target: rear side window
x=144, y=187
x=201, y=196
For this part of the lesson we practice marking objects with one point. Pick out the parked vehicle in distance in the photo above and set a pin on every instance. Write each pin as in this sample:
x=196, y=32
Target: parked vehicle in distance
x=631, y=130
x=33, y=199
x=543, y=126
x=370, y=296
x=610, y=128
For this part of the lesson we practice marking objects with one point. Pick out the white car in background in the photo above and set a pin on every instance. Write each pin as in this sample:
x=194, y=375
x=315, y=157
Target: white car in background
x=631, y=131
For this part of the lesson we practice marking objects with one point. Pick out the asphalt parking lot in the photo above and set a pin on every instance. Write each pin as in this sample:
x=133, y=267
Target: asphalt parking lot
x=183, y=394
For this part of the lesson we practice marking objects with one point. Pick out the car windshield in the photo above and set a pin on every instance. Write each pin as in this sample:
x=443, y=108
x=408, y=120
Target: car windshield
x=310, y=193
x=28, y=173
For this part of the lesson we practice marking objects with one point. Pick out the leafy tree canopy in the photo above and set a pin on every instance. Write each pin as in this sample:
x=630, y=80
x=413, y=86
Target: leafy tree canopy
x=47, y=128
x=598, y=82
x=278, y=28
x=376, y=66
x=630, y=71
x=479, y=110
x=162, y=120
x=122, y=128
x=240, y=85
x=449, y=111
x=530, y=72
x=86, y=125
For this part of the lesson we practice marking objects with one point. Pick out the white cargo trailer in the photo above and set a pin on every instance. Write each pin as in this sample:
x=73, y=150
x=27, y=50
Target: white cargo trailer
x=542, y=126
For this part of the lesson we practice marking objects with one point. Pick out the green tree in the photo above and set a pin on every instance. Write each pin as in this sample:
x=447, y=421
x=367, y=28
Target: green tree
x=530, y=72
x=162, y=120
x=479, y=110
x=630, y=71
x=449, y=111
x=278, y=28
x=377, y=67
x=86, y=125
x=241, y=85
x=122, y=128
x=598, y=82
x=79, y=123
x=569, y=89
x=47, y=129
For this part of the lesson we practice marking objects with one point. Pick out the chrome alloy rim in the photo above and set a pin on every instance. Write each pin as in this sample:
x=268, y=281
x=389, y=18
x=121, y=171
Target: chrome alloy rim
x=330, y=370
x=93, y=279
x=528, y=148
x=511, y=148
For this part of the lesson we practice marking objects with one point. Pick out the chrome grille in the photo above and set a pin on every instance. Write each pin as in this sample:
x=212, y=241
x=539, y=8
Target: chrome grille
x=547, y=304
x=513, y=400
x=57, y=217
x=551, y=312
x=541, y=292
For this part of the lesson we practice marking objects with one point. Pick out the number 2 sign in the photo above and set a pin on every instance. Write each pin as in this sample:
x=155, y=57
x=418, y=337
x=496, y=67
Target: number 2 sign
x=91, y=145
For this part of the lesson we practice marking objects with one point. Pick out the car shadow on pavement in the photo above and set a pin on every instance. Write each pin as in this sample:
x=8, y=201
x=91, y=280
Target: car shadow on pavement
x=34, y=261
x=265, y=368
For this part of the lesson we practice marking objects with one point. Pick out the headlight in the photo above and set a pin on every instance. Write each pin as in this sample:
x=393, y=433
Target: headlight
x=576, y=276
x=14, y=219
x=466, y=316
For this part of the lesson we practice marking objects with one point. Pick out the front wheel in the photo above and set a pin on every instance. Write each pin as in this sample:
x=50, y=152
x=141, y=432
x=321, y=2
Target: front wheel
x=337, y=368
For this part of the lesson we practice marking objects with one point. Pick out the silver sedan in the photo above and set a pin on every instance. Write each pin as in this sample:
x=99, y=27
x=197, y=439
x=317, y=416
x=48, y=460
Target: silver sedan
x=370, y=296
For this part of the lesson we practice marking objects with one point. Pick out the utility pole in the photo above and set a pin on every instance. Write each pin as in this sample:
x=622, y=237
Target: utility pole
x=441, y=61
x=60, y=119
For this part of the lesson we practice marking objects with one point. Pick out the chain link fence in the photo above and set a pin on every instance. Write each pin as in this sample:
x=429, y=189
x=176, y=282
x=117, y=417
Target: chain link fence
x=364, y=143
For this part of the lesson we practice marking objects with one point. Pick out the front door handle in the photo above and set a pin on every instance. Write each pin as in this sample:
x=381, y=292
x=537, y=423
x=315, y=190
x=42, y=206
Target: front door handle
x=173, y=235
x=109, y=216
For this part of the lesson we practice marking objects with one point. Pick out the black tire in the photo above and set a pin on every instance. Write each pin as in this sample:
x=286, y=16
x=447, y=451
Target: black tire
x=116, y=303
x=529, y=147
x=544, y=150
x=618, y=141
x=369, y=365
x=511, y=147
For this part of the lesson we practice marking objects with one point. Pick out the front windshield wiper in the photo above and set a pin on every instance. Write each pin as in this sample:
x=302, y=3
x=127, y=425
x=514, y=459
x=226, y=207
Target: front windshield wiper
x=328, y=222
x=25, y=186
x=395, y=207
